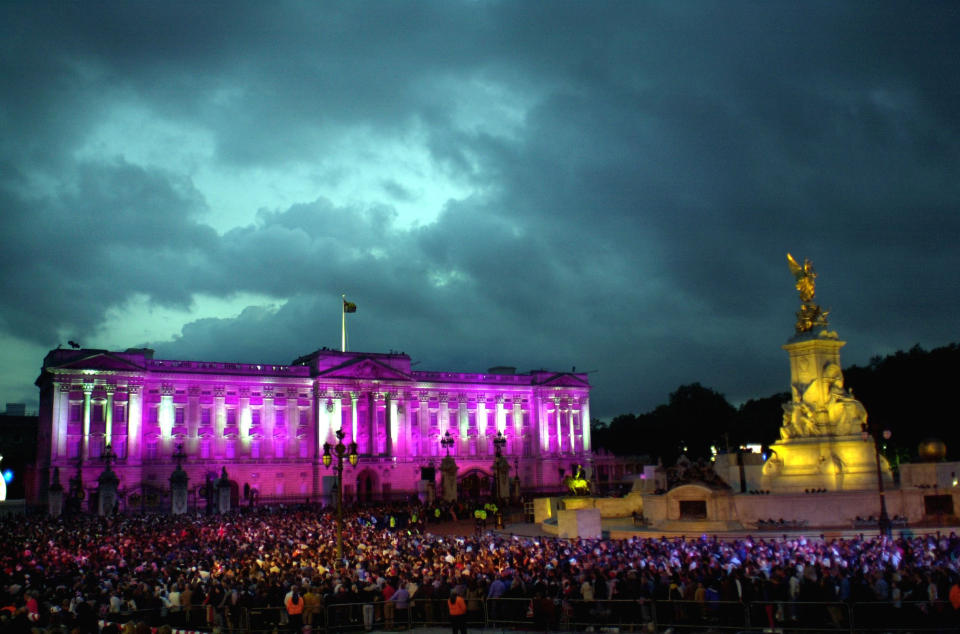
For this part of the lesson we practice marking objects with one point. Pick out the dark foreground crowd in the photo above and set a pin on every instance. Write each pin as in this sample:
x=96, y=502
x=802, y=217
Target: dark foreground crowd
x=203, y=572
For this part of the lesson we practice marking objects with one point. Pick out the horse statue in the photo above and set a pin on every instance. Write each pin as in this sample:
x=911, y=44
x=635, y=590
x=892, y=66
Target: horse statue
x=577, y=483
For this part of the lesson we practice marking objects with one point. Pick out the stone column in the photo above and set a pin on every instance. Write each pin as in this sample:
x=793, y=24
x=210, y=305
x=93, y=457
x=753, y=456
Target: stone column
x=423, y=422
x=390, y=421
x=540, y=422
x=499, y=415
x=134, y=424
x=354, y=423
x=108, y=414
x=405, y=429
x=220, y=419
x=481, y=425
x=322, y=409
x=373, y=431
x=60, y=416
x=337, y=416
x=463, y=420
x=557, y=425
x=517, y=427
x=85, y=443
x=585, y=422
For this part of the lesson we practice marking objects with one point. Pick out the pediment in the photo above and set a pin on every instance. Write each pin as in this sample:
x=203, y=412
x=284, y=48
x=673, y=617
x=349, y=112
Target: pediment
x=98, y=361
x=565, y=380
x=365, y=368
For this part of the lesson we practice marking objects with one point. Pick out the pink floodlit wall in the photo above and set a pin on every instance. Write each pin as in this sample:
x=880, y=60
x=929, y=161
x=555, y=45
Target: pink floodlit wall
x=267, y=424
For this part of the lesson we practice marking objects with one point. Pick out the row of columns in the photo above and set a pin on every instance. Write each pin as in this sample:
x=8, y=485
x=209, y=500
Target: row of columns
x=397, y=423
x=554, y=434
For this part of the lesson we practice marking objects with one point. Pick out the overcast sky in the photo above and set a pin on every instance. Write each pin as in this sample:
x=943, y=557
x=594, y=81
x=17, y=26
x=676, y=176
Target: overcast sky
x=611, y=186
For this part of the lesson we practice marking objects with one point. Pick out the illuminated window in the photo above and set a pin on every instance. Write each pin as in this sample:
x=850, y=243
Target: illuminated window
x=178, y=416
x=205, y=448
x=254, y=448
x=229, y=450
x=152, y=449
x=231, y=417
x=119, y=413
x=255, y=417
x=153, y=414
x=76, y=412
x=205, y=416
x=280, y=418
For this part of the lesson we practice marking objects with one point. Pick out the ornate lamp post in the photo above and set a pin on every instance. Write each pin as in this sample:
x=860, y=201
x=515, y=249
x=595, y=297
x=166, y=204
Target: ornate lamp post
x=447, y=441
x=865, y=432
x=499, y=442
x=351, y=454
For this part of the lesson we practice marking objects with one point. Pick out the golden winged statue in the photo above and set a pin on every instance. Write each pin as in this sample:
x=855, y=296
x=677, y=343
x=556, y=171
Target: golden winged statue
x=810, y=314
x=805, y=276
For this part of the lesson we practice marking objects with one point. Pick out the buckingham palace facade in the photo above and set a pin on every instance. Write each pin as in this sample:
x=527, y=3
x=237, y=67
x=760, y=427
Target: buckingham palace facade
x=267, y=424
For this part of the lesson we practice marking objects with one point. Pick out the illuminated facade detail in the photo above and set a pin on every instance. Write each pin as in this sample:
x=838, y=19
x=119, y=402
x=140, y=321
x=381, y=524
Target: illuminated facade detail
x=241, y=416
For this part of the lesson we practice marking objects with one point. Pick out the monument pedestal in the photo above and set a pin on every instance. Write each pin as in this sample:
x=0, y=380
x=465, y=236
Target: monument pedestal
x=834, y=463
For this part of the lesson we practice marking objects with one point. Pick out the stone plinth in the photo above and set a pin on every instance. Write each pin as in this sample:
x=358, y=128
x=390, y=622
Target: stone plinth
x=544, y=509
x=583, y=523
x=835, y=463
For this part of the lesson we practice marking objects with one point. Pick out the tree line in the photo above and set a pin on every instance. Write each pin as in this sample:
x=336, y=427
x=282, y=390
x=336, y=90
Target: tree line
x=908, y=393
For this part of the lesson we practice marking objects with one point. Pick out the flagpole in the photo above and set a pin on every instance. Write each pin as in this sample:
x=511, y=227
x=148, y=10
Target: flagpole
x=343, y=323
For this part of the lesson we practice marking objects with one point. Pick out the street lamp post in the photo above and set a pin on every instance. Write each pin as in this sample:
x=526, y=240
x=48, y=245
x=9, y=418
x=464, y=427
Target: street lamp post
x=865, y=432
x=351, y=454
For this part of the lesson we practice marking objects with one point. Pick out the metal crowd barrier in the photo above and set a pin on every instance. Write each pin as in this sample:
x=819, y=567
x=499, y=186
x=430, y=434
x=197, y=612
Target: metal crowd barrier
x=546, y=614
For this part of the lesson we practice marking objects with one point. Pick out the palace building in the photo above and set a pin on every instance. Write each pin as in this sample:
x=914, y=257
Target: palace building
x=267, y=424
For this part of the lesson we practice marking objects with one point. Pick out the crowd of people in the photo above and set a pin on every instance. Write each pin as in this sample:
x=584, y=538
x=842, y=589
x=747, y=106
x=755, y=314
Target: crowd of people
x=205, y=571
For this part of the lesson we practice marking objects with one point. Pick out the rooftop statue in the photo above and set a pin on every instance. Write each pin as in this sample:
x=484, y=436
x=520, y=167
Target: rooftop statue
x=810, y=314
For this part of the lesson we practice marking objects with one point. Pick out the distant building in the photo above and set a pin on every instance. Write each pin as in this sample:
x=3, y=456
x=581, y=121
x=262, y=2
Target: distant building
x=267, y=424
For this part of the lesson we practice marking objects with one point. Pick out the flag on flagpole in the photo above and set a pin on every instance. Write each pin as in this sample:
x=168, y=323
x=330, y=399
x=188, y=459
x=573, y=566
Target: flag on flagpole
x=349, y=307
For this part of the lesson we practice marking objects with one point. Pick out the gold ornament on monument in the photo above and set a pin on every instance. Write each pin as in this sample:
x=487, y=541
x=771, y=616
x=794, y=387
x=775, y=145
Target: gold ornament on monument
x=810, y=314
x=932, y=450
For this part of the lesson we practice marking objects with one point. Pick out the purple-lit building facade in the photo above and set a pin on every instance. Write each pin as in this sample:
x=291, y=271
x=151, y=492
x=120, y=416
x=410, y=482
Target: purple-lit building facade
x=267, y=424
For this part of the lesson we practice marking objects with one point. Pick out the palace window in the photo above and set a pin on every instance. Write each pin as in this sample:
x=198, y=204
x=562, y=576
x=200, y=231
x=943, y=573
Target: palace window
x=229, y=450
x=205, y=416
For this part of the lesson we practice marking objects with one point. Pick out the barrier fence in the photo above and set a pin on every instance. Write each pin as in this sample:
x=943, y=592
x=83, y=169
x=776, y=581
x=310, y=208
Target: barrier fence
x=544, y=614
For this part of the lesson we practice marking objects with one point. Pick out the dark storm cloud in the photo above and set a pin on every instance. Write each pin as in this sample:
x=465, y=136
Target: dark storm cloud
x=631, y=216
